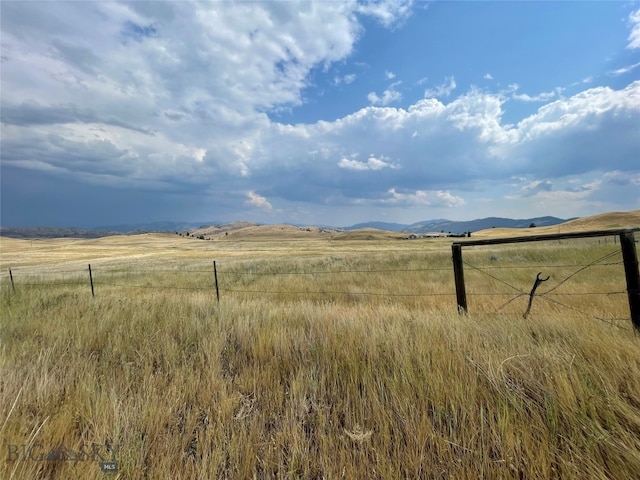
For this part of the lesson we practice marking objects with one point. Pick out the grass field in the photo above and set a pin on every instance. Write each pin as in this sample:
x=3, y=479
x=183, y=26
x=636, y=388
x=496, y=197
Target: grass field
x=323, y=359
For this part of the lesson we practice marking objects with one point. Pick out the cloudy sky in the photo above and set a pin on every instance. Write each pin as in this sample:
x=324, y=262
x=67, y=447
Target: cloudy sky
x=329, y=112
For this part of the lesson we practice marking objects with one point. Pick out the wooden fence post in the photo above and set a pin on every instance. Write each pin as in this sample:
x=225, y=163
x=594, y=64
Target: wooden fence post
x=630, y=260
x=91, y=280
x=13, y=287
x=458, y=276
x=215, y=278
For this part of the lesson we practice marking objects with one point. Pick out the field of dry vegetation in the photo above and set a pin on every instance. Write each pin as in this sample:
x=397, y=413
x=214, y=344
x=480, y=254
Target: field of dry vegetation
x=323, y=359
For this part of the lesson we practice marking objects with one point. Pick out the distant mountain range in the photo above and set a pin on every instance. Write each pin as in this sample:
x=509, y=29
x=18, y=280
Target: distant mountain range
x=438, y=225
x=457, y=227
x=156, y=227
x=53, y=232
x=97, y=232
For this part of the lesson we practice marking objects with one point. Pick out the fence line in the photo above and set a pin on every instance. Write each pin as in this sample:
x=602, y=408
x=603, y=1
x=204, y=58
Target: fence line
x=341, y=293
x=595, y=262
x=494, y=277
x=627, y=249
x=582, y=267
x=98, y=283
x=235, y=273
x=586, y=314
x=567, y=265
x=5, y=274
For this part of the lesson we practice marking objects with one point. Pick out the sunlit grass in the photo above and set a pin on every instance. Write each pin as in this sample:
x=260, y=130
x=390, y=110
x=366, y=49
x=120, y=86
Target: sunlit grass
x=330, y=384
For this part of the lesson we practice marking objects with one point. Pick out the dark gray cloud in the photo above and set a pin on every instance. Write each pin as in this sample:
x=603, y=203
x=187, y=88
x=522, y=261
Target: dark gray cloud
x=33, y=113
x=35, y=198
x=77, y=56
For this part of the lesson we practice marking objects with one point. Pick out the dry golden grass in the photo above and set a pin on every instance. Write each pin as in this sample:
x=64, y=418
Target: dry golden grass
x=370, y=234
x=606, y=220
x=241, y=231
x=318, y=380
x=603, y=221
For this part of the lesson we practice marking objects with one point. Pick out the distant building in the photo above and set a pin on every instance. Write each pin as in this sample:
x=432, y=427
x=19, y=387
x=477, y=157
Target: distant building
x=435, y=235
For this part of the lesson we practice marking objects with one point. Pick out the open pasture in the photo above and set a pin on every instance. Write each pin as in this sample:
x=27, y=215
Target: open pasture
x=323, y=359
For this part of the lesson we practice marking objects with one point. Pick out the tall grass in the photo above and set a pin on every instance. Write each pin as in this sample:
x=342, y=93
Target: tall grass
x=323, y=386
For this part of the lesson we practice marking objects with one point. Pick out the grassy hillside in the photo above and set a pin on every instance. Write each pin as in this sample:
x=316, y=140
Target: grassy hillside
x=241, y=231
x=607, y=220
x=323, y=359
x=370, y=234
x=604, y=221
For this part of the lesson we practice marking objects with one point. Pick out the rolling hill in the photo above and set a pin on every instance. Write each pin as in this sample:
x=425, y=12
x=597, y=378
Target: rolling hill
x=458, y=227
x=484, y=227
x=603, y=221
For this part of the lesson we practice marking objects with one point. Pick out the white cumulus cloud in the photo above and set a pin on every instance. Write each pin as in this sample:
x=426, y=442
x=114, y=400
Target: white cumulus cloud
x=258, y=201
x=634, y=36
x=443, y=90
x=346, y=79
x=389, y=13
x=388, y=96
x=541, y=97
x=623, y=70
x=372, y=163
x=438, y=198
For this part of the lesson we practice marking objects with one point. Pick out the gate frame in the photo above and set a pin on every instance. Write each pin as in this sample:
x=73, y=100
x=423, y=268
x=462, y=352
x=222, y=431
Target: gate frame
x=627, y=245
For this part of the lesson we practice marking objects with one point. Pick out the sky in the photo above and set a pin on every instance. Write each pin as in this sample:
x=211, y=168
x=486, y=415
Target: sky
x=326, y=113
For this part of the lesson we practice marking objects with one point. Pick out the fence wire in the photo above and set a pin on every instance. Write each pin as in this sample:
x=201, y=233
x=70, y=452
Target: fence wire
x=584, y=267
x=552, y=295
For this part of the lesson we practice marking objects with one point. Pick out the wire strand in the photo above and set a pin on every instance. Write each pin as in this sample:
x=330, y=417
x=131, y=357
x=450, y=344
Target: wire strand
x=609, y=255
x=340, y=293
x=583, y=313
x=495, y=278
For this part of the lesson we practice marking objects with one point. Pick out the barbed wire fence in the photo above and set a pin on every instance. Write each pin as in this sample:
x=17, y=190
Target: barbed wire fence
x=245, y=280
x=99, y=277
x=625, y=256
x=551, y=292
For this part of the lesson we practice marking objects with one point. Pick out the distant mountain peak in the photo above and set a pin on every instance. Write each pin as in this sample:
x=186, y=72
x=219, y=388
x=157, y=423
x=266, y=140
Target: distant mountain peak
x=426, y=226
x=459, y=227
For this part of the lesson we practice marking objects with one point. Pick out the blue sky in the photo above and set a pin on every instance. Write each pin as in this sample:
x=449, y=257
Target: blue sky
x=317, y=112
